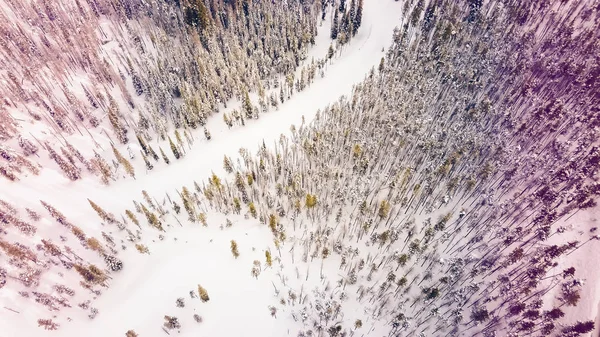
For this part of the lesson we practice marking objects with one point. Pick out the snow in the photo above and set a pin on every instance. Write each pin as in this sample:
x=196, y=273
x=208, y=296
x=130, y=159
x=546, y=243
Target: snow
x=146, y=289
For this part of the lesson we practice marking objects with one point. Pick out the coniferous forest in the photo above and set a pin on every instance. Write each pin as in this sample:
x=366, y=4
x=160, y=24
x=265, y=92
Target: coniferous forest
x=299, y=168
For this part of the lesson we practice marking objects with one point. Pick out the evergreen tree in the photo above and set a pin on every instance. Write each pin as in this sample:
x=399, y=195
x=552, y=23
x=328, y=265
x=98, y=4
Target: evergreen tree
x=123, y=161
x=269, y=259
x=132, y=217
x=164, y=156
x=227, y=165
x=102, y=213
x=234, y=249
x=142, y=144
x=203, y=294
x=152, y=153
x=174, y=149
x=149, y=166
x=330, y=52
x=247, y=105
x=334, y=26
x=358, y=17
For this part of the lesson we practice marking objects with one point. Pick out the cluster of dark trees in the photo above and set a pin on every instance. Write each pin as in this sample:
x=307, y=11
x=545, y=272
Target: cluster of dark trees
x=346, y=20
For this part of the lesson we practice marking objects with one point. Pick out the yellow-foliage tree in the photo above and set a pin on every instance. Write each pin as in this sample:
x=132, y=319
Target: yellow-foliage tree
x=234, y=249
x=142, y=248
x=132, y=217
x=102, y=213
x=268, y=258
x=384, y=209
x=203, y=294
x=94, y=244
x=311, y=200
x=252, y=209
x=123, y=161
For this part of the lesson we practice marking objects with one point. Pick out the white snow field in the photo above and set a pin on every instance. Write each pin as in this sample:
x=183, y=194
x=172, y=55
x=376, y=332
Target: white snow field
x=146, y=289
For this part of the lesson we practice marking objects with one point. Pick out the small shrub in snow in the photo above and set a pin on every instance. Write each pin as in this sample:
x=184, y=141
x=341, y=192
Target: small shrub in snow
x=171, y=322
x=47, y=324
x=197, y=318
x=131, y=333
x=180, y=303
x=93, y=313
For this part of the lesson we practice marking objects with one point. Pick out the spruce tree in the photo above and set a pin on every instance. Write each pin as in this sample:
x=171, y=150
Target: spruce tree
x=227, y=164
x=149, y=166
x=203, y=294
x=358, y=17
x=152, y=153
x=142, y=144
x=174, y=149
x=247, y=105
x=334, y=26
x=124, y=162
x=164, y=156
x=234, y=249
x=102, y=213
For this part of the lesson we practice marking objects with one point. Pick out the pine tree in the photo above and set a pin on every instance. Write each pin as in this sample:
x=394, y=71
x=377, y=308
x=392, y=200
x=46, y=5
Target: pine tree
x=381, y=65
x=237, y=205
x=384, y=209
x=252, y=209
x=187, y=204
x=227, y=164
x=178, y=138
x=174, y=149
x=335, y=26
x=203, y=294
x=311, y=201
x=116, y=124
x=152, y=153
x=102, y=213
x=152, y=219
x=268, y=258
x=164, y=156
x=247, y=105
x=132, y=217
x=330, y=52
x=358, y=17
x=142, y=144
x=123, y=161
x=94, y=244
x=234, y=249
x=352, y=13
x=207, y=134
x=149, y=166
x=71, y=171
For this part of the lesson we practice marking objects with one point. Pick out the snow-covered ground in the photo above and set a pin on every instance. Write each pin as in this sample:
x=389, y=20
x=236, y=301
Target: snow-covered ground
x=146, y=289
